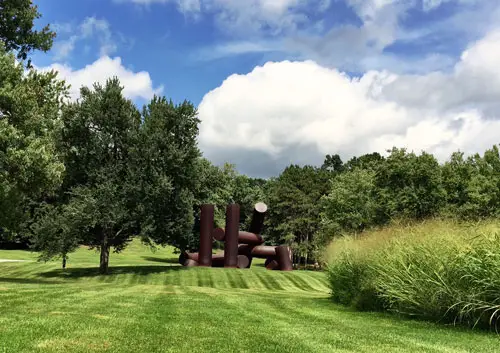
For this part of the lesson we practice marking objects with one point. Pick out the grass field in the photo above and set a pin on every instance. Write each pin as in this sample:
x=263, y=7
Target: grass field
x=150, y=304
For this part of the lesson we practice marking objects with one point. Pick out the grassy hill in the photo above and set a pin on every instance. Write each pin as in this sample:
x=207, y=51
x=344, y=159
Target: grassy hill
x=150, y=304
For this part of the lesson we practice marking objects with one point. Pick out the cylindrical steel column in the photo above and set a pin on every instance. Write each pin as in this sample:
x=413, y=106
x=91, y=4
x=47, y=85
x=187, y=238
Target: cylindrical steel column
x=283, y=255
x=243, y=237
x=259, y=251
x=259, y=212
x=218, y=234
x=231, y=236
x=206, y=227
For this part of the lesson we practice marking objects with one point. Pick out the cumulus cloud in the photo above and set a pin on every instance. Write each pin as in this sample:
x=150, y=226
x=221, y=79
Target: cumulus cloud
x=137, y=85
x=297, y=112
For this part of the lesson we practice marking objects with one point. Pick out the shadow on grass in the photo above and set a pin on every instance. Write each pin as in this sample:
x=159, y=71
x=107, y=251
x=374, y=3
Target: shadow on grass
x=161, y=259
x=117, y=270
x=27, y=281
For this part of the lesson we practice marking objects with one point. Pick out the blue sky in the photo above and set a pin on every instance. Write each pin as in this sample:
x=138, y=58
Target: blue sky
x=287, y=81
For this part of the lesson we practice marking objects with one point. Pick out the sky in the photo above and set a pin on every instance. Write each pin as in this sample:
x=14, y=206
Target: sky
x=281, y=82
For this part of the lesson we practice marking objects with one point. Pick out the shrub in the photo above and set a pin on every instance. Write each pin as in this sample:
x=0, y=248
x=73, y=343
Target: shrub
x=438, y=270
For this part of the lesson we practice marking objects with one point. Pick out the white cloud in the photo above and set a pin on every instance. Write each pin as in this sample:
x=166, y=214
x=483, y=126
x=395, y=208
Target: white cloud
x=429, y=5
x=236, y=48
x=249, y=16
x=89, y=28
x=296, y=112
x=137, y=85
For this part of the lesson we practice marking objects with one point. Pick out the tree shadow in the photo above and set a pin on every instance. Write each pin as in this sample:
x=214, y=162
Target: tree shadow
x=161, y=259
x=27, y=281
x=116, y=270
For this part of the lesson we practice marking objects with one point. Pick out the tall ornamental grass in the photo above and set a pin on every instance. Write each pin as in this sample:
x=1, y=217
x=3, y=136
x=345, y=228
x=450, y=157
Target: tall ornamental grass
x=439, y=270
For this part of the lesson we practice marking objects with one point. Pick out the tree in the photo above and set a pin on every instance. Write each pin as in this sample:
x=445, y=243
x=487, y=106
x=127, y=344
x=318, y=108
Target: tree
x=167, y=171
x=30, y=165
x=457, y=173
x=294, y=215
x=16, y=28
x=127, y=175
x=99, y=135
x=351, y=204
x=333, y=163
x=366, y=161
x=410, y=185
x=483, y=187
x=247, y=192
x=56, y=230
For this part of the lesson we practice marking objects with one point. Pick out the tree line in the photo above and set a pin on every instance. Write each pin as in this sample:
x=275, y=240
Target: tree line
x=99, y=171
x=314, y=204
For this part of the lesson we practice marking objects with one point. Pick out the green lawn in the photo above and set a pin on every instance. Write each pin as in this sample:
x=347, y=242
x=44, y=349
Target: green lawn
x=150, y=304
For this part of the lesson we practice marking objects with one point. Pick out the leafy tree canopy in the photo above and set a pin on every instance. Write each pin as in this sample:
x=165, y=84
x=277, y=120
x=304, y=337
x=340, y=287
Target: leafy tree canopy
x=17, y=20
x=30, y=165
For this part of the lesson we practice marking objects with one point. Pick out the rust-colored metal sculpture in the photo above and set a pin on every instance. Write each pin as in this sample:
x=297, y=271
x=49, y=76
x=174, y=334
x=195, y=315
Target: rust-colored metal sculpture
x=206, y=226
x=260, y=251
x=240, y=247
x=259, y=212
x=190, y=263
x=243, y=237
x=231, y=237
x=272, y=264
x=283, y=255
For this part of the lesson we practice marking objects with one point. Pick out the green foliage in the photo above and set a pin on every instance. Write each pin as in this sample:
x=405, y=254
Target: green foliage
x=366, y=161
x=17, y=19
x=56, y=229
x=294, y=215
x=410, y=185
x=349, y=280
x=443, y=271
x=351, y=204
x=127, y=175
x=333, y=164
x=473, y=185
x=98, y=140
x=166, y=172
x=30, y=167
x=247, y=192
x=457, y=173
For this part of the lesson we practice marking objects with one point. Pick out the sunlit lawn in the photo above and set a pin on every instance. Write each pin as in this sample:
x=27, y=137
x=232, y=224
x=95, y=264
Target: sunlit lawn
x=150, y=304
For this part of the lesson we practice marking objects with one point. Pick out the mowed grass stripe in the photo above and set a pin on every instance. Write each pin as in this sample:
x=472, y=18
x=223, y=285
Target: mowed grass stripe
x=169, y=274
x=150, y=304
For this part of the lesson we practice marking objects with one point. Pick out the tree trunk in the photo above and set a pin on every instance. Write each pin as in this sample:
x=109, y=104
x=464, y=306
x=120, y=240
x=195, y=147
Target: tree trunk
x=104, y=263
x=64, y=261
x=307, y=252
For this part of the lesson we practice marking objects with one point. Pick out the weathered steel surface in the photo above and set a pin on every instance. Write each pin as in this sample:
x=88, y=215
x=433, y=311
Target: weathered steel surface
x=218, y=234
x=190, y=263
x=259, y=251
x=240, y=247
x=259, y=213
x=271, y=263
x=243, y=237
x=231, y=237
x=195, y=256
x=283, y=254
x=206, y=227
x=242, y=261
